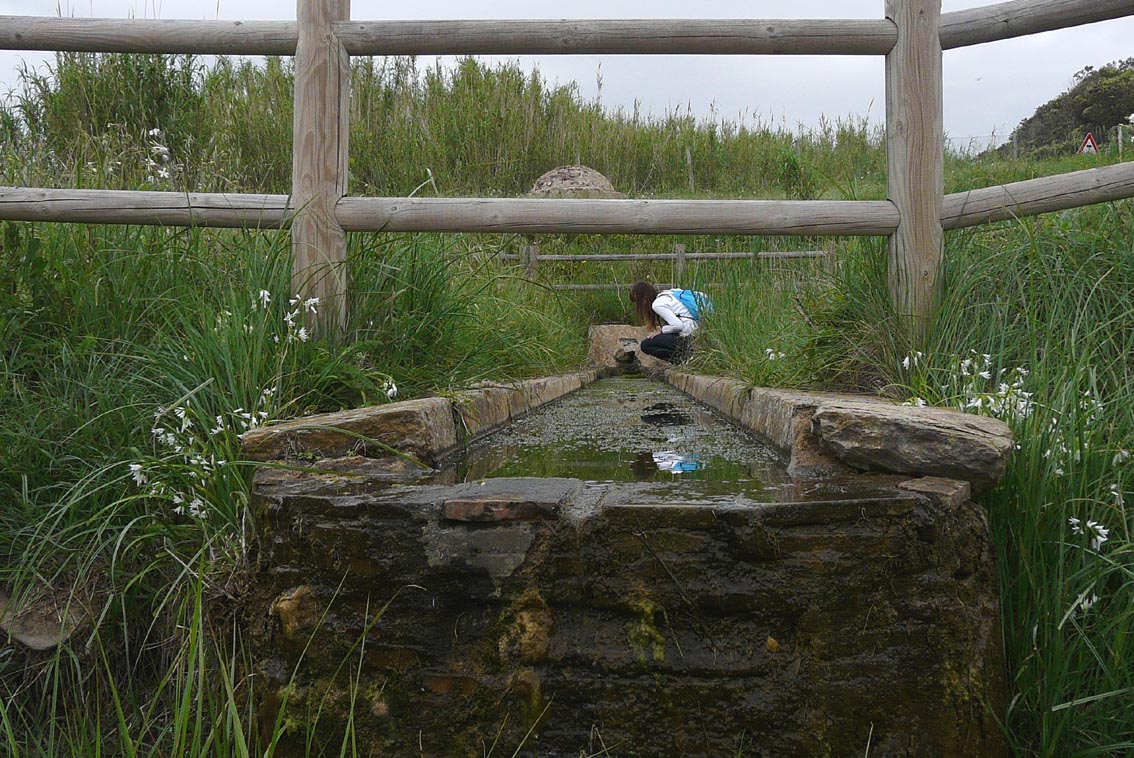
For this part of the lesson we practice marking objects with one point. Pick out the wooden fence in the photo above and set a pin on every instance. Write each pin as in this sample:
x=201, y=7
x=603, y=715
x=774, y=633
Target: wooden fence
x=530, y=258
x=911, y=36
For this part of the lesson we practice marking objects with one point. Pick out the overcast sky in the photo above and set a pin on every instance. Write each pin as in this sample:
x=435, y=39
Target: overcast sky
x=989, y=88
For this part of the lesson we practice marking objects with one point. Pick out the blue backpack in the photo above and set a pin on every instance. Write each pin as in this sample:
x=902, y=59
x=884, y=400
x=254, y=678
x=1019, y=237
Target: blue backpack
x=695, y=302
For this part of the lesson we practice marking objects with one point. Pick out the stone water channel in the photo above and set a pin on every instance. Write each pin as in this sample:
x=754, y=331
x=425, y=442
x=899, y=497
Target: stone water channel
x=630, y=430
x=619, y=572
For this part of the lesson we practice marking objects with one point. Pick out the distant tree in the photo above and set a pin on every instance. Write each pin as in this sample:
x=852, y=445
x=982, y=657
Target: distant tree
x=1098, y=101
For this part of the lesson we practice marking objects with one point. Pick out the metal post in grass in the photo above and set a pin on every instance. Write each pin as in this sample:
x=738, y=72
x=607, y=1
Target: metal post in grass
x=319, y=159
x=915, y=146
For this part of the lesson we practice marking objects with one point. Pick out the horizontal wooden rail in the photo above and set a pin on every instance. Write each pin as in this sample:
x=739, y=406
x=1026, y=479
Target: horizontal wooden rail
x=551, y=37
x=755, y=217
x=1023, y=17
x=620, y=37
x=1035, y=196
x=547, y=216
x=596, y=257
x=116, y=35
x=144, y=208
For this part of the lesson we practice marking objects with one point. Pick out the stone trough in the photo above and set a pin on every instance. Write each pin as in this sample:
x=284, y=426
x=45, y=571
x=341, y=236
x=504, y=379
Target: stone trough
x=856, y=609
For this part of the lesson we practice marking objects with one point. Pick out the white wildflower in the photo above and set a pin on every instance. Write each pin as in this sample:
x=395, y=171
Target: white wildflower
x=1087, y=602
x=1121, y=457
x=265, y=298
x=1097, y=533
x=1116, y=494
x=138, y=475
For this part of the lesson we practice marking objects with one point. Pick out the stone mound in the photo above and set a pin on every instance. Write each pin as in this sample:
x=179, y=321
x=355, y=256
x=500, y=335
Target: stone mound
x=574, y=182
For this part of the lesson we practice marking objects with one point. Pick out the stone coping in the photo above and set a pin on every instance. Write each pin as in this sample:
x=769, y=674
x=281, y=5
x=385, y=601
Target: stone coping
x=823, y=434
x=426, y=429
x=830, y=434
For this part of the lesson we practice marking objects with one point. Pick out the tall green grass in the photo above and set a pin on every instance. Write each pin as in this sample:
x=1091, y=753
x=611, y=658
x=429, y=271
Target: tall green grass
x=472, y=128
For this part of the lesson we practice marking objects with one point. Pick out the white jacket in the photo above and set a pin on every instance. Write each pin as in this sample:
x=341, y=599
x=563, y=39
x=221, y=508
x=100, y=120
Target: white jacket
x=676, y=316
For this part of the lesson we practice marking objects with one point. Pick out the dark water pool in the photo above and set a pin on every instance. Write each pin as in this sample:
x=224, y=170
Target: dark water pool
x=625, y=430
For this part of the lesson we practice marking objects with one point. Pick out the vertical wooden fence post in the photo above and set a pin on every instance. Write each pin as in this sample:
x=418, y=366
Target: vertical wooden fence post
x=531, y=260
x=915, y=146
x=319, y=159
x=679, y=264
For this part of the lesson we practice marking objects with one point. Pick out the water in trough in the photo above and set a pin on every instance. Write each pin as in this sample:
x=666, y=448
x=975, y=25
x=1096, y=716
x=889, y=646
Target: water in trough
x=630, y=429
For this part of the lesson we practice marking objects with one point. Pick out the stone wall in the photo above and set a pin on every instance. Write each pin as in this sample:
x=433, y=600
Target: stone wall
x=443, y=618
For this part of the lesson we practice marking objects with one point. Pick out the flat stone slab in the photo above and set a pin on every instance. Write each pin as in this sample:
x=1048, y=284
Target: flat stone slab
x=422, y=430
x=610, y=344
x=828, y=434
x=519, y=499
x=418, y=428
x=938, y=442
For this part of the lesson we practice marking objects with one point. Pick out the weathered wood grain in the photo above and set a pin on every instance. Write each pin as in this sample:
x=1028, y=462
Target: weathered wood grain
x=1019, y=18
x=319, y=159
x=631, y=36
x=216, y=210
x=116, y=35
x=551, y=37
x=1035, y=196
x=915, y=145
x=545, y=216
x=960, y=210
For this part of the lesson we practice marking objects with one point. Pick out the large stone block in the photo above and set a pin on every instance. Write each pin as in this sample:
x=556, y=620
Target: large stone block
x=877, y=436
x=419, y=428
x=794, y=623
x=612, y=344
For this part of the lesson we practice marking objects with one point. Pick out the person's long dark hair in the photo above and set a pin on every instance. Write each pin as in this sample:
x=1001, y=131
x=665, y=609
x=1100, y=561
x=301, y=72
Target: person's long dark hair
x=642, y=295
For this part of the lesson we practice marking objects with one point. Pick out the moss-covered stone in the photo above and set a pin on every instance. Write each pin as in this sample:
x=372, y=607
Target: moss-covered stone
x=852, y=612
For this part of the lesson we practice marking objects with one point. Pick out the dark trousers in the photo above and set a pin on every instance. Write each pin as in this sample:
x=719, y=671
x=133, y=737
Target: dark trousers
x=668, y=347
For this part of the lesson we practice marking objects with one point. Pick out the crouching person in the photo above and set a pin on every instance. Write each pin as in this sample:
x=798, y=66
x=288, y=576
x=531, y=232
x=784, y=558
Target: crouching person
x=672, y=315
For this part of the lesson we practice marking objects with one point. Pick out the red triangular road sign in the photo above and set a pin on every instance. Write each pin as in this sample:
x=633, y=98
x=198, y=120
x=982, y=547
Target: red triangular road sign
x=1089, y=145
